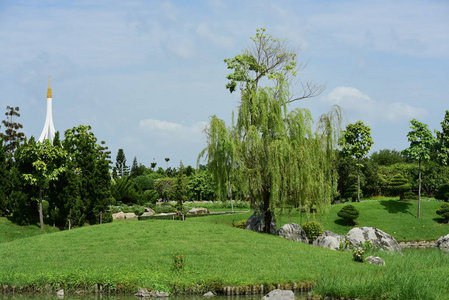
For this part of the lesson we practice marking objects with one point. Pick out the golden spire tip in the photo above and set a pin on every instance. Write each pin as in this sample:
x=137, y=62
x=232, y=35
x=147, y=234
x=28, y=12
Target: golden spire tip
x=49, y=88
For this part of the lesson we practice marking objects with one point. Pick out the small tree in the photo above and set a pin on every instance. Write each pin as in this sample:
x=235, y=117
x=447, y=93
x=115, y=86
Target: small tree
x=349, y=213
x=399, y=185
x=444, y=212
x=12, y=136
x=180, y=191
x=356, y=142
x=443, y=141
x=421, y=143
x=120, y=164
x=352, y=193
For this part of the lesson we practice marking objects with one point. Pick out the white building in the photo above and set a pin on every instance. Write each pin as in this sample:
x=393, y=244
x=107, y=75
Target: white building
x=49, y=129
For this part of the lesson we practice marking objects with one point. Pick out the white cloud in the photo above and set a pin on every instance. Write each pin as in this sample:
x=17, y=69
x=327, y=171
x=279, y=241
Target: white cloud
x=359, y=106
x=174, y=131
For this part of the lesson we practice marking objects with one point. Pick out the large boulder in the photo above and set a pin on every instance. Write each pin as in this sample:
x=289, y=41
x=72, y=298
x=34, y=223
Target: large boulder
x=279, y=295
x=197, y=211
x=329, y=240
x=256, y=223
x=443, y=243
x=293, y=231
x=118, y=216
x=130, y=215
x=360, y=235
x=147, y=214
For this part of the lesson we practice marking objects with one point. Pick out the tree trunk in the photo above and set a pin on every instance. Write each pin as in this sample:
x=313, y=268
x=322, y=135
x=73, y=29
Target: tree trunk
x=419, y=190
x=267, y=214
x=41, y=214
x=358, y=184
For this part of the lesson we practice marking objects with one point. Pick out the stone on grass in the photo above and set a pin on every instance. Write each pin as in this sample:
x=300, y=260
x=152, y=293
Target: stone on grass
x=197, y=211
x=279, y=295
x=375, y=260
x=130, y=215
x=118, y=216
x=329, y=240
x=142, y=293
x=158, y=294
x=294, y=232
x=150, y=210
x=256, y=223
x=147, y=214
x=379, y=239
x=60, y=294
x=443, y=243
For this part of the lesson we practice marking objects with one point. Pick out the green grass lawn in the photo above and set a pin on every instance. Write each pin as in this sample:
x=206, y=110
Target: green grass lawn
x=10, y=232
x=129, y=254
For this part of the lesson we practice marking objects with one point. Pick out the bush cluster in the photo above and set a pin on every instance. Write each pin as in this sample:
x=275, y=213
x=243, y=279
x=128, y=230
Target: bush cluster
x=313, y=229
x=349, y=213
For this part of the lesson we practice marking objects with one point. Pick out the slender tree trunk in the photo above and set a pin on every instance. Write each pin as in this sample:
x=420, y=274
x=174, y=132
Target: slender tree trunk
x=358, y=184
x=41, y=214
x=419, y=190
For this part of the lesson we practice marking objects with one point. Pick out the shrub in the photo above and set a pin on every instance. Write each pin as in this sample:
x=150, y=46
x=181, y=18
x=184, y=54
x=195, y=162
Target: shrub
x=351, y=193
x=443, y=193
x=313, y=229
x=399, y=185
x=444, y=212
x=410, y=196
x=357, y=254
x=240, y=224
x=150, y=196
x=349, y=213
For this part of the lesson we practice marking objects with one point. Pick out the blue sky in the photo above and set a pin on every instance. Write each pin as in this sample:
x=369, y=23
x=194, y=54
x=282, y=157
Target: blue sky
x=147, y=75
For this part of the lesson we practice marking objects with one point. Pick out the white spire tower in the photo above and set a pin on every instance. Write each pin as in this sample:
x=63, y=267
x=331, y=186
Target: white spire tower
x=49, y=129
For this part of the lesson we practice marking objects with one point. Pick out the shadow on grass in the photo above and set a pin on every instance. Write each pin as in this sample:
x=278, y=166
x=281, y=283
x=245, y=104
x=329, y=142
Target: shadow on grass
x=394, y=206
x=343, y=222
x=440, y=220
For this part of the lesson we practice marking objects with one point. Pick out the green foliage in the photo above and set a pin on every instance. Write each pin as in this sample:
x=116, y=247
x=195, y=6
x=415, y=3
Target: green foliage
x=443, y=193
x=178, y=262
x=444, y=212
x=124, y=190
x=399, y=185
x=150, y=196
x=387, y=157
x=409, y=195
x=240, y=224
x=313, y=229
x=12, y=136
x=165, y=188
x=352, y=192
x=356, y=142
x=349, y=213
x=442, y=143
x=358, y=254
x=121, y=169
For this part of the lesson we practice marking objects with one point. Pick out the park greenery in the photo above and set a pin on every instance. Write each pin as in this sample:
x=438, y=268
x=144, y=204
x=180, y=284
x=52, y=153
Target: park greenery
x=272, y=161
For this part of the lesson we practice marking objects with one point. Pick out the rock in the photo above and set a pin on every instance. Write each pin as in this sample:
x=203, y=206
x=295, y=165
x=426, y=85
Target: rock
x=142, y=293
x=147, y=214
x=196, y=211
x=279, y=295
x=130, y=215
x=60, y=294
x=158, y=294
x=294, y=232
x=256, y=222
x=375, y=260
x=150, y=210
x=377, y=237
x=209, y=295
x=118, y=216
x=329, y=240
x=167, y=214
x=443, y=243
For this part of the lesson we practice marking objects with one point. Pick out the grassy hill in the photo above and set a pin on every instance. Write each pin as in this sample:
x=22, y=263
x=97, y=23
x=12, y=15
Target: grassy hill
x=129, y=254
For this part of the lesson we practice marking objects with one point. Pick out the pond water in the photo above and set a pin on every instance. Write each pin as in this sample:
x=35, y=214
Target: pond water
x=298, y=296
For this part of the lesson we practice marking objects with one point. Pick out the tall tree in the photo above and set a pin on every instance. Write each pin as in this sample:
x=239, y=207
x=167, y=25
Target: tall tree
x=443, y=140
x=421, y=144
x=4, y=181
x=273, y=153
x=12, y=135
x=120, y=163
x=356, y=142
x=40, y=164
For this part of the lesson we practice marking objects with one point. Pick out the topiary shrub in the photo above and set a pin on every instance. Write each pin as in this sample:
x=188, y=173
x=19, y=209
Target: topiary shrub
x=349, y=213
x=399, y=185
x=313, y=229
x=443, y=193
x=410, y=196
x=444, y=212
x=351, y=193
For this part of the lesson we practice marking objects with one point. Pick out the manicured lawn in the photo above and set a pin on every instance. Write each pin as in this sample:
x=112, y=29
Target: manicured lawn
x=10, y=231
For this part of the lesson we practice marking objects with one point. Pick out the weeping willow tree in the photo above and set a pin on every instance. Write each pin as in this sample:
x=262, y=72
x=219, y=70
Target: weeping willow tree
x=274, y=155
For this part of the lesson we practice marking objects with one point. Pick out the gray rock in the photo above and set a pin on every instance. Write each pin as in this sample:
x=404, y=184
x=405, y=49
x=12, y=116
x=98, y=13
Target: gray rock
x=256, y=223
x=118, y=216
x=279, y=295
x=375, y=260
x=378, y=238
x=209, y=295
x=196, y=211
x=167, y=214
x=130, y=215
x=294, y=232
x=443, y=243
x=60, y=294
x=147, y=214
x=158, y=294
x=329, y=240
x=142, y=293
x=150, y=210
